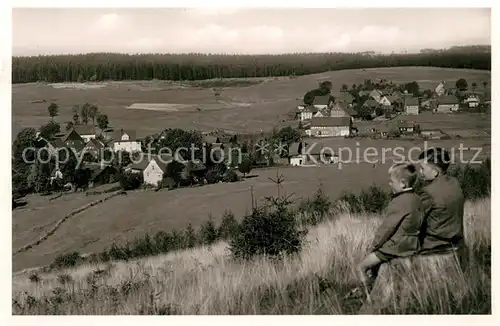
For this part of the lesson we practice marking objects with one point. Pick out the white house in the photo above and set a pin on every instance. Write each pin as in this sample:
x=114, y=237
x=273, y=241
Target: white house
x=85, y=131
x=125, y=141
x=323, y=113
x=472, y=101
x=411, y=106
x=339, y=110
x=307, y=113
x=447, y=104
x=152, y=167
x=304, y=154
x=384, y=101
x=440, y=89
x=376, y=95
x=331, y=127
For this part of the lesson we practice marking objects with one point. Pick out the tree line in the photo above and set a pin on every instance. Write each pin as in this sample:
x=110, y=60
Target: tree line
x=195, y=66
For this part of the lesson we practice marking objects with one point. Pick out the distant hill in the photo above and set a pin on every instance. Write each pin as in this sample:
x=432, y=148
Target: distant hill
x=196, y=66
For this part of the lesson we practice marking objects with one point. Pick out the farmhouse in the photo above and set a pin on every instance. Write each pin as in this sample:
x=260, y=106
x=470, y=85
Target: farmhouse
x=322, y=113
x=331, y=127
x=54, y=145
x=406, y=127
x=322, y=102
x=101, y=174
x=411, y=106
x=72, y=140
x=307, y=113
x=85, y=131
x=472, y=101
x=152, y=167
x=344, y=98
x=447, y=104
x=384, y=101
x=339, y=110
x=440, y=90
x=125, y=141
x=376, y=95
x=371, y=103
x=432, y=133
x=94, y=147
x=304, y=154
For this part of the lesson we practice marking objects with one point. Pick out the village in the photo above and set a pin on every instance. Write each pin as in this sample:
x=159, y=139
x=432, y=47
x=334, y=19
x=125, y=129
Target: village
x=369, y=110
x=344, y=114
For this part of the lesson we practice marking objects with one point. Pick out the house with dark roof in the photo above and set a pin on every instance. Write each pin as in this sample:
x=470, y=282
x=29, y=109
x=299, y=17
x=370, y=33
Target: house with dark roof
x=447, y=104
x=330, y=127
x=101, y=174
x=472, y=101
x=344, y=98
x=70, y=139
x=308, y=112
x=302, y=153
x=153, y=167
x=371, y=103
x=411, y=106
x=322, y=102
x=124, y=140
x=94, y=147
x=87, y=132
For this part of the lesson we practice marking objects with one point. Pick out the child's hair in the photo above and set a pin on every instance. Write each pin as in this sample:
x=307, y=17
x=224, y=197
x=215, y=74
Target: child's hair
x=405, y=172
x=436, y=156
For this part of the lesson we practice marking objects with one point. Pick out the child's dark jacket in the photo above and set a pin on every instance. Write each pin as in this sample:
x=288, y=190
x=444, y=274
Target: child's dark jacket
x=443, y=205
x=399, y=233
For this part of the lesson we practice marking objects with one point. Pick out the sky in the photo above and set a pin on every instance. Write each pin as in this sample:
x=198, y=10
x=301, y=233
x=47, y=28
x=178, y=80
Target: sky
x=251, y=31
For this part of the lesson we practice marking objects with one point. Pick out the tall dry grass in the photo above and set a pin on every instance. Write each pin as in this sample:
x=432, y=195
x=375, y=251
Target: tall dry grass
x=206, y=281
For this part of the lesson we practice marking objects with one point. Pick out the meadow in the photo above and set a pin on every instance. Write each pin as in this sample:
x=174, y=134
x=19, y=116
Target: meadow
x=243, y=106
x=207, y=280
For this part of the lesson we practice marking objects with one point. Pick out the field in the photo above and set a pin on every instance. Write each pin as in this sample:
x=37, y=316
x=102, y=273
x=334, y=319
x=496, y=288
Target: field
x=317, y=281
x=248, y=106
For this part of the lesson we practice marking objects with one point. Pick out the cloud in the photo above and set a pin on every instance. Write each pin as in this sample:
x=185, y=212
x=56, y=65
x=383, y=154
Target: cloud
x=212, y=11
x=108, y=22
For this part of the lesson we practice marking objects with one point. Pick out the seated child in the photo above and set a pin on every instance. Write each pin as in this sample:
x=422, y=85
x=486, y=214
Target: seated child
x=443, y=204
x=398, y=236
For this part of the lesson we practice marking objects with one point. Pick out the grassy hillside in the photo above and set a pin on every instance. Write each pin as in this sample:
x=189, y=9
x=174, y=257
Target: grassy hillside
x=207, y=281
x=250, y=108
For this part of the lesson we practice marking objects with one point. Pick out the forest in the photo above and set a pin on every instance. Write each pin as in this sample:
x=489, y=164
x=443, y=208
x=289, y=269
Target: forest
x=196, y=66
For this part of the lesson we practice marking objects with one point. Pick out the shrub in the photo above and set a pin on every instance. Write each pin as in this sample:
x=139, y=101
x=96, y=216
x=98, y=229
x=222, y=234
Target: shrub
x=208, y=232
x=271, y=230
x=230, y=176
x=163, y=241
x=475, y=181
x=67, y=260
x=190, y=239
x=142, y=247
x=314, y=210
x=228, y=227
x=245, y=167
x=130, y=180
x=370, y=200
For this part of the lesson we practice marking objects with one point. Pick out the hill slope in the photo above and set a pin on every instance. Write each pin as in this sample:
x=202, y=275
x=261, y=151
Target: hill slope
x=207, y=281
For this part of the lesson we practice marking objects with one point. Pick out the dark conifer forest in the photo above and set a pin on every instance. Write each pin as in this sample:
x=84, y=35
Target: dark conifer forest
x=196, y=66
